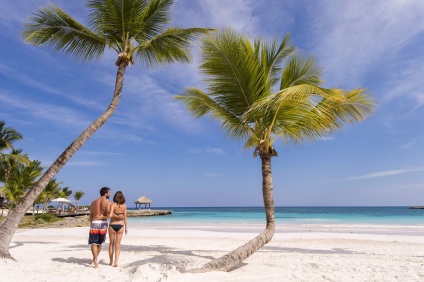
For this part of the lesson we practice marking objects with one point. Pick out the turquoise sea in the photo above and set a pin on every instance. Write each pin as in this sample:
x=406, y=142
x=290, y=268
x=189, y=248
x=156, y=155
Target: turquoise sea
x=290, y=215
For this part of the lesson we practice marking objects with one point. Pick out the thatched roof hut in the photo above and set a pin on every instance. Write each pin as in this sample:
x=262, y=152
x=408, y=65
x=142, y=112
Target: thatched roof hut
x=143, y=200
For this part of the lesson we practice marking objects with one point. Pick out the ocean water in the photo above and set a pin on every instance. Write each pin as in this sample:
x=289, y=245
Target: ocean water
x=290, y=215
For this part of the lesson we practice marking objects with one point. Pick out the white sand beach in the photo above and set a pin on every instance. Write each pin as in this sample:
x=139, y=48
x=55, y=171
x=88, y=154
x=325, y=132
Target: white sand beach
x=155, y=252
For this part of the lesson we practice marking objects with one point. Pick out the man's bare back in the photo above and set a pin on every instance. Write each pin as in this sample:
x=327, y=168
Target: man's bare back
x=99, y=209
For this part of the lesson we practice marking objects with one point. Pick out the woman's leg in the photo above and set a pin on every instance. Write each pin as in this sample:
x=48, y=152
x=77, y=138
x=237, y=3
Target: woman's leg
x=118, y=245
x=111, y=244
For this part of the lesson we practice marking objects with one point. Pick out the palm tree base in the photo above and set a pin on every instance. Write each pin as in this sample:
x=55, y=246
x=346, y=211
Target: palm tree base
x=6, y=256
x=235, y=257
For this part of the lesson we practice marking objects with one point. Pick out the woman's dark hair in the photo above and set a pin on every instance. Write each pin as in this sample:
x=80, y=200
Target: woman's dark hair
x=119, y=198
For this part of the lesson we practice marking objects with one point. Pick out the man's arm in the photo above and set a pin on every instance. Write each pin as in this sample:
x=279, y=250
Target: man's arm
x=91, y=213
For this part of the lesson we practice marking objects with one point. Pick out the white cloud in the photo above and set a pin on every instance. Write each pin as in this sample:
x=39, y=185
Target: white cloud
x=150, y=100
x=217, y=151
x=387, y=173
x=353, y=36
x=237, y=14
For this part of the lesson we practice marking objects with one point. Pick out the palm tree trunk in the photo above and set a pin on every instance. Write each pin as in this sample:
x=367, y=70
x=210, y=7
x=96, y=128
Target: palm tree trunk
x=10, y=224
x=233, y=258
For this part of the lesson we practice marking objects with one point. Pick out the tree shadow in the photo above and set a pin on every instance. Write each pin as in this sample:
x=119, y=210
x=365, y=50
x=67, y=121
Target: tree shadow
x=163, y=250
x=18, y=244
x=80, y=261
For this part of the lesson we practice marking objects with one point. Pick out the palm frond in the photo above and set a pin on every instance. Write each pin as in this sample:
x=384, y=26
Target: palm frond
x=170, y=46
x=307, y=112
x=52, y=26
x=123, y=20
x=300, y=70
x=200, y=104
x=8, y=135
x=233, y=70
x=153, y=20
x=272, y=56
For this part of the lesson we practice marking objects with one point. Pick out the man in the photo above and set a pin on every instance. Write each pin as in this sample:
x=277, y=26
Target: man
x=98, y=217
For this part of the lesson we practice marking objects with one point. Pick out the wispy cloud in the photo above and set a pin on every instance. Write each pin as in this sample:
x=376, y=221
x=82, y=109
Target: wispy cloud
x=386, y=173
x=86, y=163
x=26, y=80
x=328, y=138
x=377, y=51
x=96, y=153
x=351, y=43
x=213, y=174
x=53, y=113
x=151, y=100
x=217, y=151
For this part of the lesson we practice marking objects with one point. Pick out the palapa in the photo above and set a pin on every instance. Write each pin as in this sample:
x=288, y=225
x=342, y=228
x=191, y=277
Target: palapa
x=143, y=200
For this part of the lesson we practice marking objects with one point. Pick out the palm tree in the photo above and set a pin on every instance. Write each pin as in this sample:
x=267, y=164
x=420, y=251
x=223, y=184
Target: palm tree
x=22, y=178
x=65, y=192
x=242, y=94
x=51, y=191
x=77, y=196
x=135, y=29
x=9, y=135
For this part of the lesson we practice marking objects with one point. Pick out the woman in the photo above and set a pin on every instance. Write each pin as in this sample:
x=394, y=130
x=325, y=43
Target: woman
x=118, y=223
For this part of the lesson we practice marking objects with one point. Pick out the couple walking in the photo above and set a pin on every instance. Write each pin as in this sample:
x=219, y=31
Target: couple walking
x=102, y=209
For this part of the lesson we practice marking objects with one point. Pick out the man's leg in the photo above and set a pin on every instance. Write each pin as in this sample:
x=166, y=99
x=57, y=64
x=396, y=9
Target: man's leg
x=95, y=250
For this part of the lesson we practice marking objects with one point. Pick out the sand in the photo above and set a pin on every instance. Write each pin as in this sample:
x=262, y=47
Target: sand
x=154, y=252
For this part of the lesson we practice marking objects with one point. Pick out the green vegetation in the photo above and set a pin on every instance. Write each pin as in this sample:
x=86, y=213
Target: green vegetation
x=38, y=220
x=18, y=174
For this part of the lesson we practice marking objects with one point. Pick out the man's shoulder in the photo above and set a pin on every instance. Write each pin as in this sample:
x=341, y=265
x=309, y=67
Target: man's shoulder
x=96, y=201
x=105, y=202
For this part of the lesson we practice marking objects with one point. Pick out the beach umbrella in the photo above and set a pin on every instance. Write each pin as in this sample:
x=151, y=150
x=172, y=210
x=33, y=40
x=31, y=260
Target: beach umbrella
x=143, y=200
x=61, y=200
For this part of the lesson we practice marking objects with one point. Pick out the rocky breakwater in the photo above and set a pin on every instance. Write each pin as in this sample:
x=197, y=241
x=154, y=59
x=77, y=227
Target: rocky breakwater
x=142, y=212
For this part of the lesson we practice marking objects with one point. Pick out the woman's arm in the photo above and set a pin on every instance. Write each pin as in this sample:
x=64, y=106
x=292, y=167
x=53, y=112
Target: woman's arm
x=125, y=220
x=111, y=210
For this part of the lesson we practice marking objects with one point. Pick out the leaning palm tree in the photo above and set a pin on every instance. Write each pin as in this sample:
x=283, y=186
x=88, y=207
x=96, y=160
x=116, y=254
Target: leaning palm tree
x=260, y=92
x=135, y=29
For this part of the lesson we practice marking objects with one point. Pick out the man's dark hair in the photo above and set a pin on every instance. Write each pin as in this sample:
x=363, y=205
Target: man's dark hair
x=104, y=190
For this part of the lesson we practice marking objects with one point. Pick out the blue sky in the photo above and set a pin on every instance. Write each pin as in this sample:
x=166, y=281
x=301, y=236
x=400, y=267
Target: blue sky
x=152, y=146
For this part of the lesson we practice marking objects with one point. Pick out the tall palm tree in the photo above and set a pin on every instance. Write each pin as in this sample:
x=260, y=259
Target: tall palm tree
x=135, y=29
x=242, y=94
x=77, y=196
